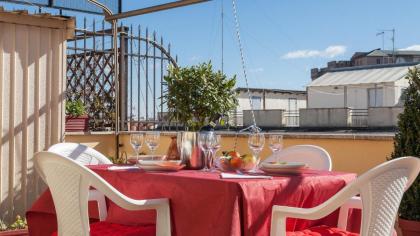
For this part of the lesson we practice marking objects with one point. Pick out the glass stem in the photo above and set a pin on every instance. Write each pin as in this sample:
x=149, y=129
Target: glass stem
x=211, y=160
x=206, y=156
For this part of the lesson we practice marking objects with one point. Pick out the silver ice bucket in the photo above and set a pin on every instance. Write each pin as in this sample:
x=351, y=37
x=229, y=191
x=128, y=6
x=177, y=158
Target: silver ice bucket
x=191, y=154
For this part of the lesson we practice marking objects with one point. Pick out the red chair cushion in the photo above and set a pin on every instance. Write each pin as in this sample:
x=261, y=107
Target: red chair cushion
x=321, y=231
x=109, y=229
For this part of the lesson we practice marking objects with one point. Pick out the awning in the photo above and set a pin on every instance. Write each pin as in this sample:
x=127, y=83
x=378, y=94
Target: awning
x=363, y=75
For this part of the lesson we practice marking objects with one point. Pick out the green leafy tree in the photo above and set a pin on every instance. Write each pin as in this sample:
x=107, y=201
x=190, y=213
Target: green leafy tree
x=407, y=143
x=197, y=95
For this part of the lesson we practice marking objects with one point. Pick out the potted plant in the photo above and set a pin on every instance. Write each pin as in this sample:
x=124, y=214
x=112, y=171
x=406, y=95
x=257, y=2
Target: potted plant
x=197, y=96
x=76, y=117
x=17, y=228
x=407, y=143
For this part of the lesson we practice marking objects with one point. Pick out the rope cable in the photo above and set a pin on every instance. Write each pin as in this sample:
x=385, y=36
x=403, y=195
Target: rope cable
x=254, y=127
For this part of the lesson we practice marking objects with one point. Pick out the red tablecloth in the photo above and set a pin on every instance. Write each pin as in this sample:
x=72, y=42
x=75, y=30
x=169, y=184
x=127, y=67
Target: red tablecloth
x=204, y=204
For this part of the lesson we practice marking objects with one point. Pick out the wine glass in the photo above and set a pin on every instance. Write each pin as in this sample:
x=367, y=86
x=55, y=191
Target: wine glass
x=136, y=141
x=204, y=144
x=256, y=143
x=152, y=141
x=214, y=147
x=275, y=142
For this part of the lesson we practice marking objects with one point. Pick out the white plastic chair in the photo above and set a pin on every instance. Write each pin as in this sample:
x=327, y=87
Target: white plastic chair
x=80, y=153
x=69, y=184
x=315, y=157
x=380, y=189
x=86, y=156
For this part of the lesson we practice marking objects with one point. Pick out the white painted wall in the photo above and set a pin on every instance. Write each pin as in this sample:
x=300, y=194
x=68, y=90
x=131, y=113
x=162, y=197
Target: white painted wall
x=357, y=95
x=325, y=97
x=272, y=100
x=32, y=84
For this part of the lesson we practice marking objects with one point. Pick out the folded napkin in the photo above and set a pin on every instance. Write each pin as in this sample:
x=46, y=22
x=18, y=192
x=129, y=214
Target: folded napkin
x=123, y=168
x=243, y=176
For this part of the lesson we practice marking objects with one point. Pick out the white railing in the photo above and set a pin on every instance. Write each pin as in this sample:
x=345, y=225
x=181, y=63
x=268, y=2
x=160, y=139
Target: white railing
x=358, y=117
x=291, y=118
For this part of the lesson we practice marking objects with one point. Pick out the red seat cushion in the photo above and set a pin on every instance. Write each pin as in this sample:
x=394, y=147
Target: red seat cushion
x=322, y=231
x=110, y=229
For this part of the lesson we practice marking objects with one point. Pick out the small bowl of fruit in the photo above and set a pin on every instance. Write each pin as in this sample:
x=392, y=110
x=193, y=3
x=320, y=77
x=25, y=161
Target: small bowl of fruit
x=234, y=161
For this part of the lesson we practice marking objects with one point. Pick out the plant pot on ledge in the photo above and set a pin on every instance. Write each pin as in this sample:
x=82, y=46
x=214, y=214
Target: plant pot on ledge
x=76, y=118
x=409, y=227
x=77, y=124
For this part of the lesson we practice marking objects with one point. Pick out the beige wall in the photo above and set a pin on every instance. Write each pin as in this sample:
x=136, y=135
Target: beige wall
x=349, y=153
x=32, y=81
x=272, y=100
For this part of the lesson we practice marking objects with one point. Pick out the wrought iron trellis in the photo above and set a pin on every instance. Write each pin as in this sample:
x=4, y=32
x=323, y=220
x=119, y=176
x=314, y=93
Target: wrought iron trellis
x=143, y=63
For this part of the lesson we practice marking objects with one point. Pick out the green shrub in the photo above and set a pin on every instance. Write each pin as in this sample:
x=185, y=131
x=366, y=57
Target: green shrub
x=197, y=95
x=75, y=108
x=407, y=143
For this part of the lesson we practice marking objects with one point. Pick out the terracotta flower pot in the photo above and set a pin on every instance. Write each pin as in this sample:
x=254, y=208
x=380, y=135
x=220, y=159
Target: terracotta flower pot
x=77, y=124
x=17, y=232
x=409, y=227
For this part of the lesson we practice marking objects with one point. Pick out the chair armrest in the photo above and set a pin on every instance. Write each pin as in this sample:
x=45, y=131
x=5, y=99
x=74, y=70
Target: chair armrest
x=299, y=213
x=161, y=205
x=279, y=213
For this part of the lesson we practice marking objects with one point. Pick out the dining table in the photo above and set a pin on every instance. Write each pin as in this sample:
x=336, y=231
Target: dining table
x=204, y=203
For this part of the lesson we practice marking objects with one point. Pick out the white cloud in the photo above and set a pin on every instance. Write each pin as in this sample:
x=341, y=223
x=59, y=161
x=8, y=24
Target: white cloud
x=256, y=70
x=195, y=58
x=329, y=52
x=415, y=47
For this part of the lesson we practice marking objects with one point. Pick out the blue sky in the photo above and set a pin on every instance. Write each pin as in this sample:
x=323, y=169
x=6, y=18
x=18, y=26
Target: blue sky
x=283, y=39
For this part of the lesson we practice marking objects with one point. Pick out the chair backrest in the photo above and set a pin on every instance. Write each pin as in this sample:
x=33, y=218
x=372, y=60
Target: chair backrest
x=315, y=157
x=69, y=183
x=80, y=153
x=381, y=190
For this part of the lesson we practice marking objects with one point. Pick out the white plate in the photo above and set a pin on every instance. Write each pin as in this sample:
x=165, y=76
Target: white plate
x=286, y=168
x=159, y=163
x=133, y=159
x=161, y=168
x=285, y=165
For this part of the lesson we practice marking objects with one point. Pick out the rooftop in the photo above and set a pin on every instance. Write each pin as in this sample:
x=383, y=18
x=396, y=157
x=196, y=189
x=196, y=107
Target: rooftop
x=363, y=74
x=261, y=90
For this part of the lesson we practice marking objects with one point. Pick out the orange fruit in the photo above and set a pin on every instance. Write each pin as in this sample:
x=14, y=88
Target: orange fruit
x=234, y=154
x=236, y=162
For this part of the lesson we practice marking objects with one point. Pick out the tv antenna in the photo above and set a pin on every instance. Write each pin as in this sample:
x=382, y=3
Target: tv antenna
x=382, y=33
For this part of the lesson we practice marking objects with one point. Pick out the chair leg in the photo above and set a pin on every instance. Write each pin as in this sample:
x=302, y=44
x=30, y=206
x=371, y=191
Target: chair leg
x=278, y=225
x=163, y=221
x=95, y=195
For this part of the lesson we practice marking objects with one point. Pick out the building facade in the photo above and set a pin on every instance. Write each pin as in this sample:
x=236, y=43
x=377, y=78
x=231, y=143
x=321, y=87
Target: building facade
x=367, y=96
x=270, y=102
x=374, y=57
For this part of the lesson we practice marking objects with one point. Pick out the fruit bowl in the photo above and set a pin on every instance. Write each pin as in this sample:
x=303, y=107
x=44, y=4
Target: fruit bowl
x=233, y=161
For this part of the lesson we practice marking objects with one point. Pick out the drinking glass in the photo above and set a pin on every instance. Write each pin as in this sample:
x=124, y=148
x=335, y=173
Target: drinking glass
x=136, y=141
x=205, y=144
x=152, y=141
x=214, y=147
x=275, y=142
x=256, y=143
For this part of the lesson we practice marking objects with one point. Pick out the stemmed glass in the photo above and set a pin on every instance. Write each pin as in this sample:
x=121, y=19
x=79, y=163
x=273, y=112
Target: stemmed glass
x=256, y=143
x=204, y=142
x=275, y=142
x=214, y=147
x=152, y=141
x=136, y=141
